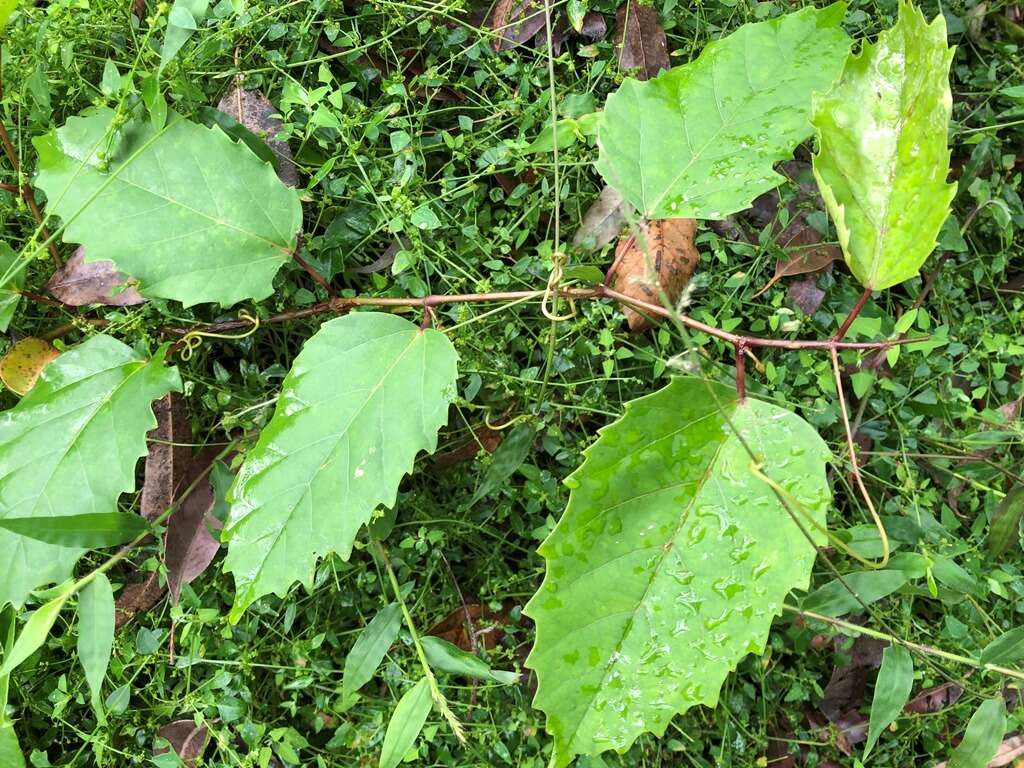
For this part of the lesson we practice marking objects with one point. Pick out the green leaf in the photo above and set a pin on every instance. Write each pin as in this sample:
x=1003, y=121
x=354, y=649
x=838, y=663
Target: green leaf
x=700, y=140
x=1006, y=522
x=10, y=751
x=367, y=393
x=182, y=21
x=34, y=633
x=983, y=736
x=507, y=458
x=7, y=7
x=9, y=286
x=836, y=599
x=882, y=157
x=670, y=562
x=189, y=213
x=92, y=402
x=406, y=724
x=369, y=649
x=1005, y=649
x=96, y=633
x=92, y=530
x=448, y=657
x=892, y=689
x=214, y=117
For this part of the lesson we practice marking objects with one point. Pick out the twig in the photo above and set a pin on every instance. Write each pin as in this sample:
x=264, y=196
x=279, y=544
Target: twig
x=341, y=305
x=317, y=277
x=853, y=315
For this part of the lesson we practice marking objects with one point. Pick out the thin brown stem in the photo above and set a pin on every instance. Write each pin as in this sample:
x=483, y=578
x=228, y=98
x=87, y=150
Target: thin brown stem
x=741, y=371
x=8, y=188
x=853, y=315
x=317, y=277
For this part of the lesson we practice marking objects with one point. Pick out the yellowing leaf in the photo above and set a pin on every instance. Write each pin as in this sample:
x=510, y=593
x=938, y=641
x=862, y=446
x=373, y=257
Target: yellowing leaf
x=882, y=160
x=23, y=363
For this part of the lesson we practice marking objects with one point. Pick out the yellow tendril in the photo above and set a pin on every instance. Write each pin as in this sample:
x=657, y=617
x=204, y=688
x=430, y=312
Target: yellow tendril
x=193, y=339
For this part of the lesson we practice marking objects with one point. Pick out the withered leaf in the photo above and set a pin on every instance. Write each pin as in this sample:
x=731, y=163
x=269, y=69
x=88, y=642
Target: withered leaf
x=487, y=627
x=186, y=739
x=934, y=699
x=515, y=22
x=642, y=41
x=594, y=26
x=805, y=254
x=661, y=255
x=170, y=453
x=79, y=283
x=21, y=366
x=602, y=222
x=806, y=294
x=137, y=597
x=253, y=110
x=190, y=546
x=848, y=683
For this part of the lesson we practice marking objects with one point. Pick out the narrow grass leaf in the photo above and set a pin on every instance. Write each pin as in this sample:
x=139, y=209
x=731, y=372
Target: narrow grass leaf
x=96, y=633
x=1006, y=522
x=983, y=736
x=93, y=530
x=369, y=649
x=34, y=633
x=450, y=658
x=1005, y=649
x=861, y=588
x=892, y=690
x=406, y=724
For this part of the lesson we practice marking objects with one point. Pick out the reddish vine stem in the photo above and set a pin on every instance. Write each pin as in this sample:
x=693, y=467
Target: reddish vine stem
x=339, y=305
x=741, y=371
x=26, y=190
x=853, y=315
x=8, y=188
x=317, y=277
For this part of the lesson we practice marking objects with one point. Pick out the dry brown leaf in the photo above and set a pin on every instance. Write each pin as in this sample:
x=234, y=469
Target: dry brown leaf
x=602, y=222
x=170, y=453
x=487, y=627
x=186, y=739
x=79, y=283
x=806, y=294
x=662, y=255
x=489, y=438
x=934, y=699
x=845, y=689
x=137, y=597
x=642, y=41
x=253, y=110
x=190, y=546
x=594, y=26
x=515, y=22
x=21, y=366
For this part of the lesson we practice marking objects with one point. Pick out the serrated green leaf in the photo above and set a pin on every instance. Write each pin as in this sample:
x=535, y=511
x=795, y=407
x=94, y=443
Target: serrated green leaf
x=982, y=738
x=9, y=295
x=369, y=648
x=95, y=633
x=892, y=689
x=448, y=657
x=10, y=751
x=1005, y=649
x=882, y=157
x=700, y=140
x=92, y=401
x=88, y=531
x=189, y=213
x=406, y=724
x=34, y=633
x=670, y=562
x=367, y=393
x=1006, y=522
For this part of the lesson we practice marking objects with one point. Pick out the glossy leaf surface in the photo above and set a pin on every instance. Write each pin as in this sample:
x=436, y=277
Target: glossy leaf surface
x=192, y=215
x=700, y=140
x=882, y=159
x=94, y=400
x=367, y=393
x=369, y=649
x=670, y=561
